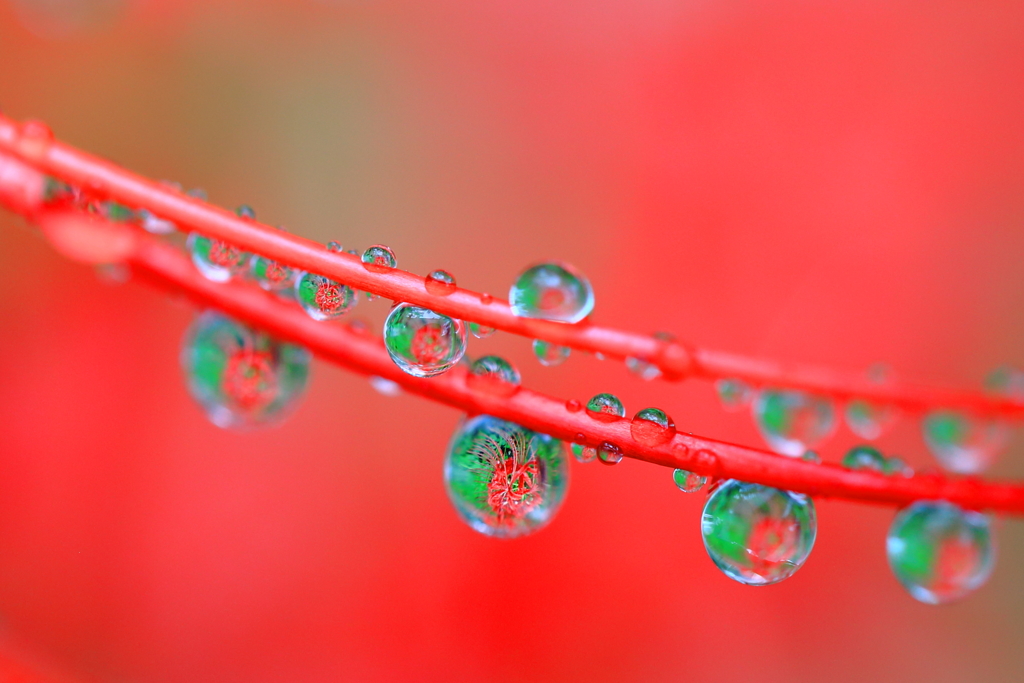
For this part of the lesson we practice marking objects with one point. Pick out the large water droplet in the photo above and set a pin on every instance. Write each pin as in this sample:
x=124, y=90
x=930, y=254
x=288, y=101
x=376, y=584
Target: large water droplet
x=323, y=298
x=735, y=394
x=552, y=291
x=494, y=375
x=758, y=535
x=503, y=479
x=962, y=443
x=421, y=342
x=940, y=552
x=440, y=283
x=652, y=427
x=864, y=458
x=215, y=259
x=550, y=354
x=247, y=212
x=379, y=259
x=271, y=275
x=154, y=224
x=606, y=408
x=793, y=422
x=688, y=482
x=240, y=376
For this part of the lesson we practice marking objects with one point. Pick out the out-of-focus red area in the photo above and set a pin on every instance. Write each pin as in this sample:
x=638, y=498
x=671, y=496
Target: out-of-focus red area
x=838, y=184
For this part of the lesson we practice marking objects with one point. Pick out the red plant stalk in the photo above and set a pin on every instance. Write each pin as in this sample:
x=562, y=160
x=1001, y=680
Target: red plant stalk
x=85, y=236
x=33, y=143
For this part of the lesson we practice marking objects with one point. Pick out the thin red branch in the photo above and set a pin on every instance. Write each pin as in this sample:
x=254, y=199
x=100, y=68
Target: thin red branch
x=32, y=143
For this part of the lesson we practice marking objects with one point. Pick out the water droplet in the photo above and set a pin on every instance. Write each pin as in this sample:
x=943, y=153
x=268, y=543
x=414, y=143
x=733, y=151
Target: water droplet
x=35, y=140
x=247, y=212
x=215, y=259
x=240, y=376
x=552, y=291
x=379, y=259
x=735, y=394
x=758, y=535
x=864, y=458
x=940, y=552
x=792, y=422
x=385, y=386
x=493, y=375
x=652, y=427
x=335, y=247
x=609, y=453
x=573, y=406
x=896, y=466
x=811, y=456
x=688, y=482
x=503, y=479
x=550, y=354
x=440, y=283
x=606, y=408
x=323, y=298
x=154, y=224
x=271, y=275
x=1007, y=382
x=964, y=444
x=869, y=420
x=197, y=193
x=481, y=331
x=421, y=342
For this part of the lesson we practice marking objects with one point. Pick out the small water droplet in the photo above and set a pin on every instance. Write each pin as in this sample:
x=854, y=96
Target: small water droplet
x=322, y=298
x=964, y=444
x=379, y=259
x=421, y=342
x=735, y=394
x=385, y=386
x=550, y=354
x=793, y=422
x=154, y=224
x=864, y=458
x=35, y=140
x=939, y=552
x=581, y=451
x=758, y=535
x=606, y=408
x=609, y=453
x=271, y=275
x=552, y=291
x=897, y=467
x=688, y=482
x=486, y=300
x=573, y=406
x=652, y=427
x=811, y=456
x=704, y=460
x=247, y=212
x=440, y=283
x=493, y=375
x=335, y=247
x=481, y=331
x=215, y=259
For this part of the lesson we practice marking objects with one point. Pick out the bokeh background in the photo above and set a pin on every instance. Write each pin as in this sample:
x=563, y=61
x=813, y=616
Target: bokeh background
x=839, y=183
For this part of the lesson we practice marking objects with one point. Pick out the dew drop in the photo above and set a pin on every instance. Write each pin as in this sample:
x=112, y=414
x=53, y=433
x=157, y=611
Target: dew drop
x=688, y=482
x=758, y=535
x=421, y=342
x=322, y=298
x=652, y=427
x=215, y=259
x=493, y=375
x=869, y=420
x=581, y=451
x=35, y=140
x=154, y=224
x=864, y=458
x=440, y=283
x=793, y=422
x=606, y=408
x=964, y=444
x=335, y=247
x=552, y=291
x=573, y=406
x=247, y=212
x=379, y=259
x=609, y=453
x=550, y=354
x=271, y=275
x=735, y=394
x=503, y=479
x=385, y=387
x=481, y=331
x=939, y=552
x=240, y=376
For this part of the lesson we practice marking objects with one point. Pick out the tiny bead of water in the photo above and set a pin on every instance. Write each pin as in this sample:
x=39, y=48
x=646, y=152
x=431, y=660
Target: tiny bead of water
x=440, y=283
x=793, y=422
x=688, y=482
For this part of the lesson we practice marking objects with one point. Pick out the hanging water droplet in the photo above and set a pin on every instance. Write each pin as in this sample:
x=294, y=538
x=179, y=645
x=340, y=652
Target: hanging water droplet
x=735, y=394
x=385, y=386
x=940, y=552
x=481, y=331
x=34, y=140
x=758, y=535
x=421, y=342
x=606, y=408
x=240, y=376
x=609, y=453
x=379, y=259
x=552, y=291
x=550, y=354
x=962, y=443
x=869, y=420
x=215, y=259
x=792, y=422
x=271, y=275
x=335, y=247
x=486, y=299
x=247, y=212
x=581, y=451
x=322, y=298
x=503, y=479
x=440, y=283
x=652, y=427
x=493, y=375
x=573, y=406
x=197, y=193
x=688, y=482
x=864, y=458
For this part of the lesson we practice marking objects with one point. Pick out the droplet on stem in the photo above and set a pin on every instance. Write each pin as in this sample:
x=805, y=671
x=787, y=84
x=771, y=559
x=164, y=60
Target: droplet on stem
x=440, y=283
x=421, y=342
x=552, y=291
x=652, y=427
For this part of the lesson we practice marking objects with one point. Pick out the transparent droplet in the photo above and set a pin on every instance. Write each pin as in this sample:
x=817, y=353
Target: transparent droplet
x=688, y=482
x=864, y=458
x=421, y=342
x=215, y=259
x=869, y=420
x=271, y=275
x=644, y=368
x=652, y=427
x=584, y=453
x=335, y=247
x=240, y=376
x=480, y=331
x=573, y=406
x=609, y=453
x=793, y=422
x=494, y=375
x=552, y=291
x=606, y=408
x=964, y=444
x=550, y=354
x=758, y=535
x=940, y=552
x=379, y=259
x=1006, y=381
x=897, y=467
x=503, y=479
x=385, y=386
x=34, y=140
x=323, y=298
x=440, y=283
x=154, y=224
x=735, y=394
x=486, y=299
x=247, y=212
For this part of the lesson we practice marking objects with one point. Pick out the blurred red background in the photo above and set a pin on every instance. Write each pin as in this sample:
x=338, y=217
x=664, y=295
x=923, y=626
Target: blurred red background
x=839, y=184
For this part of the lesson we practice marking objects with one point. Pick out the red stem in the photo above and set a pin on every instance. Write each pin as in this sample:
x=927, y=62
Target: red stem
x=32, y=143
